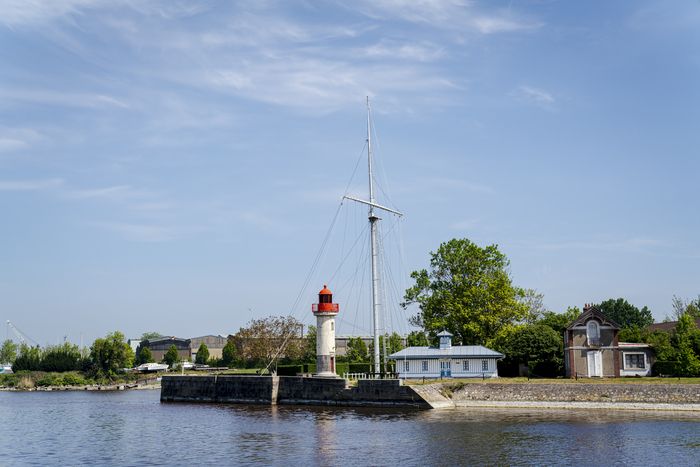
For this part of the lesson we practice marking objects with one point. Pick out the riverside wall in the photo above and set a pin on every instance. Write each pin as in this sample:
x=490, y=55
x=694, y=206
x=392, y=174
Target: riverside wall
x=288, y=390
x=641, y=393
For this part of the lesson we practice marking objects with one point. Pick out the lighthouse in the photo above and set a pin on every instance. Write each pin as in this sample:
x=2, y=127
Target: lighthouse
x=325, y=311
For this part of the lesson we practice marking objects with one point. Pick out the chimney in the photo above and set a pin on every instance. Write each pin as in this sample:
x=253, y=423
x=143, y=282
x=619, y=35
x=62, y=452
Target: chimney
x=586, y=307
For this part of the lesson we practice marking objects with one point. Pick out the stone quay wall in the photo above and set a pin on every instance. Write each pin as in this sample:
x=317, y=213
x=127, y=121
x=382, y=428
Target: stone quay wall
x=574, y=392
x=288, y=390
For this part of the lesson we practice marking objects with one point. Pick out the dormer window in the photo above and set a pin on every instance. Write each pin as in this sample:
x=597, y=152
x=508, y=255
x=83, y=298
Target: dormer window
x=593, y=333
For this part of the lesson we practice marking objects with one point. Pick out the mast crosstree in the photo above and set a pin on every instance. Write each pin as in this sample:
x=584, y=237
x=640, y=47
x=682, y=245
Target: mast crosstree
x=373, y=219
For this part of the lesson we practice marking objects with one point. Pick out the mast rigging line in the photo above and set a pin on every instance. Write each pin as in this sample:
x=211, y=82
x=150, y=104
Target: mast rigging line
x=312, y=269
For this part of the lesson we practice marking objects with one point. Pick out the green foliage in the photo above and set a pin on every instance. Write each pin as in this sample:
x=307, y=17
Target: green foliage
x=625, y=314
x=684, y=340
x=202, y=354
x=171, y=355
x=417, y=339
x=60, y=358
x=289, y=370
x=268, y=339
x=8, y=352
x=467, y=291
x=29, y=359
x=310, y=345
x=111, y=353
x=536, y=345
x=229, y=354
x=356, y=350
x=143, y=355
x=151, y=335
x=682, y=307
x=74, y=379
x=559, y=321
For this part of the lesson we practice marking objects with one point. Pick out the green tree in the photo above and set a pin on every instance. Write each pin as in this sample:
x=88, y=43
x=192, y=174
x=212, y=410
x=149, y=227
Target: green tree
x=356, y=350
x=143, y=355
x=171, y=355
x=61, y=358
x=310, y=345
x=559, y=321
x=274, y=337
x=150, y=335
x=467, y=291
x=682, y=307
x=534, y=304
x=29, y=359
x=110, y=353
x=8, y=352
x=202, y=354
x=625, y=314
x=417, y=339
x=229, y=354
x=536, y=345
x=683, y=340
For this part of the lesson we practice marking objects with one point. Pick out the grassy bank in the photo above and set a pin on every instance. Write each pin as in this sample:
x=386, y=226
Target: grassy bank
x=26, y=380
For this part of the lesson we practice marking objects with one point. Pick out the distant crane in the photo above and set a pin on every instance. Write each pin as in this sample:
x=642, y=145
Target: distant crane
x=23, y=338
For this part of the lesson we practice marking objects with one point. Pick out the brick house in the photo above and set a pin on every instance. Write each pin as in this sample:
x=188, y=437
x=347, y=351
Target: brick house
x=592, y=349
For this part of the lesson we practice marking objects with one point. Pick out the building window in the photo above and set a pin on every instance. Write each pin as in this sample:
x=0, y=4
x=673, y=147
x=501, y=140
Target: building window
x=634, y=361
x=593, y=333
x=465, y=365
x=445, y=365
x=425, y=365
x=406, y=366
x=332, y=326
x=484, y=365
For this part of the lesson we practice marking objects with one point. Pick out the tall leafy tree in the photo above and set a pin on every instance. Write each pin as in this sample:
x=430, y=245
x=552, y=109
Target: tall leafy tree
x=110, y=353
x=684, y=340
x=143, y=355
x=625, y=314
x=29, y=358
x=150, y=335
x=417, y=339
x=356, y=350
x=229, y=354
x=171, y=356
x=8, y=351
x=468, y=291
x=261, y=340
x=559, y=321
x=536, y=345
x=60, y=358
x=310, y=344
x=202, y=354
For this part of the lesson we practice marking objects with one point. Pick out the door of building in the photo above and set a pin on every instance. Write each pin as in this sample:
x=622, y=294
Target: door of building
x=595, y=363
x=445, y=369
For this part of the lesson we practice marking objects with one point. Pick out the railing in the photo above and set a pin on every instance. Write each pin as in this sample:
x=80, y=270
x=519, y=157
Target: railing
x=356, y=376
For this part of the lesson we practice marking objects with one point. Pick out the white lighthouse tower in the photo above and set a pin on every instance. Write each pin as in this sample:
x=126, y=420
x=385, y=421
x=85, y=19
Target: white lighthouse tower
x=325, y=311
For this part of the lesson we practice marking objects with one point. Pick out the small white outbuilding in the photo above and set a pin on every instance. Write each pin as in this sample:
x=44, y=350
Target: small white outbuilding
x=447, y=361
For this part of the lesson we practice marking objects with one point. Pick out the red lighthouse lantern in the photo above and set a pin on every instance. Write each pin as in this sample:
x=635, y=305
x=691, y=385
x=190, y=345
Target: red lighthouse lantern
x=325, y=302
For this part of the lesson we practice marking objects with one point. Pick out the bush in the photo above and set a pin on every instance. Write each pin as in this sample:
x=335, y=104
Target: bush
x=74, y=379
x=49, y=379
x=664, y=368
x=289, y=370
x=60, y=358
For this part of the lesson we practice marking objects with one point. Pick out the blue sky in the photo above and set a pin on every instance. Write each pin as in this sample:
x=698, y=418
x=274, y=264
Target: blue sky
x=174, y=166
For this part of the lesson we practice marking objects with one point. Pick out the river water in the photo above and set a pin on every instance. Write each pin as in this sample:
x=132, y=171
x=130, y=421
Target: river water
x=134, y=428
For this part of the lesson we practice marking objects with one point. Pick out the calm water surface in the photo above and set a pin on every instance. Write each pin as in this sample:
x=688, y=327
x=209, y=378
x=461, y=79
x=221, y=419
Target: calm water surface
x=134, y=428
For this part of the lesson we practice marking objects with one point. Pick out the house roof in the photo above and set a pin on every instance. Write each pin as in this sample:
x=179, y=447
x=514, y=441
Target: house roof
x=456, y=351
x=445, y=334
x=592, y=312
x=668, y=326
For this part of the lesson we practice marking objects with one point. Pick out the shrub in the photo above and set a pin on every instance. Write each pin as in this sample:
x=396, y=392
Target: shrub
x=289, y=370
x=74, y=379
x=49, y=379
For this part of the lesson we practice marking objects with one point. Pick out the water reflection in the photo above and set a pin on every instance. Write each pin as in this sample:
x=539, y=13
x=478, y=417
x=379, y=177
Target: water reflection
x=134, y=428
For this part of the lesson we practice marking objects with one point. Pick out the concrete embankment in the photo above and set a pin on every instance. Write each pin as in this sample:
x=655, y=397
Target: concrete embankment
x=685, y=397
x=288, y=390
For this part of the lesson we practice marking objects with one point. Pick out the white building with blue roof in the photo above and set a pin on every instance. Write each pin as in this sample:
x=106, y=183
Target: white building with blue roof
x=447, y=361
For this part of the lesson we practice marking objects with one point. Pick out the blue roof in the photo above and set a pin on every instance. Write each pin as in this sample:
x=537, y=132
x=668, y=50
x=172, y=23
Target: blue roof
x=456, y=351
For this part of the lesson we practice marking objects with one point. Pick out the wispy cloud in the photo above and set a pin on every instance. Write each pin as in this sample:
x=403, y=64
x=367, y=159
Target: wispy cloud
x=20, y=12
x=13, y=139
x=30, y=185
x=535, y=96
x=455, y=15
x=139, y=232
x=68, y=99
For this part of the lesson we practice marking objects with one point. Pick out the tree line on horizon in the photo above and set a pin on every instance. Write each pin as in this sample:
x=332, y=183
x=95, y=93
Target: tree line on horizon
x=466, y=290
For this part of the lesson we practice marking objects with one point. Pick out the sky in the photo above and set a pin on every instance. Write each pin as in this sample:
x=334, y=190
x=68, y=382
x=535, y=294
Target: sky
x=175, y=166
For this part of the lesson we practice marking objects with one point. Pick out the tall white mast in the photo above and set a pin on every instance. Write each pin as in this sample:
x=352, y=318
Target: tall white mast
x=373, y=219
x=373, y=246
